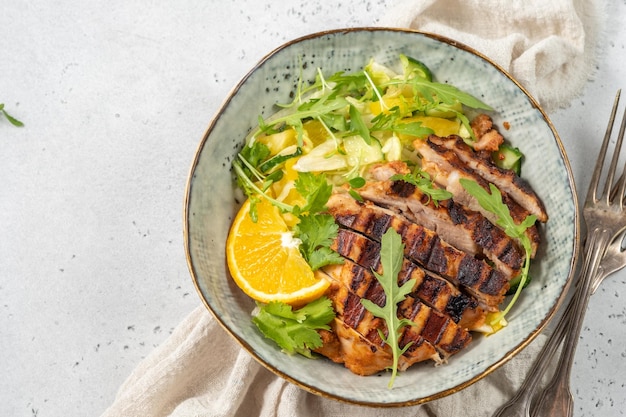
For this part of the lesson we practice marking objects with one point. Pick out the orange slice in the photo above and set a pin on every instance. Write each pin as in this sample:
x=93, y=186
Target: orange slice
x=264, y=260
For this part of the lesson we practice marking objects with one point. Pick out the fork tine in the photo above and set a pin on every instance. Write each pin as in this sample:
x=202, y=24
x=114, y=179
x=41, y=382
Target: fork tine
x=614, y=160
x=622, y=180
x=595, y=178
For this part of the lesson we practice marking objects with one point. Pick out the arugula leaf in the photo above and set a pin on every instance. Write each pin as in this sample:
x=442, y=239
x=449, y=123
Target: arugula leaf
x=253, y=191
x=317, y=231
x=10, y=118
x=313, y=109
x=392, y=121
x=446, y=93
x=349, y=84
x=391, y=253
x=357, y=124
x=412, y=129
x=357, y=182
x=421, y=179
x=295, y=331
x=278, y=159
x=492, y=202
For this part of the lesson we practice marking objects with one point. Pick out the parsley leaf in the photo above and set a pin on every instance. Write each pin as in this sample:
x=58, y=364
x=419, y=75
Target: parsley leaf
x=492, y=202
x=315, y=229
x=295, y=331
x=391, y=254
x=315, y=189
x=317, y=233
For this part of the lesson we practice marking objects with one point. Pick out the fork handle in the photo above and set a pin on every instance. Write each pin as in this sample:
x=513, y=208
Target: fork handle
x=556, y=400
x=519, y=404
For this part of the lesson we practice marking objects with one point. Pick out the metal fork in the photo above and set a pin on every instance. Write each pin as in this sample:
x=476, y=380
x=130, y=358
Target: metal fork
x=605, y=218
x=520, y=405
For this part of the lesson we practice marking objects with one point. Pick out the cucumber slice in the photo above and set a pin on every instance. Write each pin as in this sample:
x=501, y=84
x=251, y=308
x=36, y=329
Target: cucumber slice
x=360, y=153
x=446, y=111
x=413, y=67
x=508, y=157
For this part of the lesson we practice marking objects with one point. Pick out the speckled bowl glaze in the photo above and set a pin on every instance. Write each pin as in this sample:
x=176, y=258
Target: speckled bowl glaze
x=211, y=204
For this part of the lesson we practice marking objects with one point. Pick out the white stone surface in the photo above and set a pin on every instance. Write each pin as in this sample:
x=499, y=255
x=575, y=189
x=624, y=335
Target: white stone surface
x=115, y=97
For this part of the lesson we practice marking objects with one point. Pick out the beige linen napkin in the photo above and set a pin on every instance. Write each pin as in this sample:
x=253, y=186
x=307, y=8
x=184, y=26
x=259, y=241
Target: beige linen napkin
x=549, y=46
x=201, y=371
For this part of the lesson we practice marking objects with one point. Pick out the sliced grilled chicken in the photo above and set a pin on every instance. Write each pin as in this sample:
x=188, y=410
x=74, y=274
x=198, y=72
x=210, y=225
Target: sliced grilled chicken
x=373, y=221
x=446, y=169
x=435, y=291
x=487, y=137
x=440, y=331
x=507, y=181
x=462, y=228
x=476, y=276
x=343, y=344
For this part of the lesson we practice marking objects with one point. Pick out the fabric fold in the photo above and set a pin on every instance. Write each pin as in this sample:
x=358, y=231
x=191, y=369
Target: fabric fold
x=550, y=48
x=201, y=371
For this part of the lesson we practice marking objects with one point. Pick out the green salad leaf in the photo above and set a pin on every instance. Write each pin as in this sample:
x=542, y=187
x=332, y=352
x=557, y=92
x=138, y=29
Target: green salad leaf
x=421, y=179
x=317, y=231
x=391, y=254
x=315, y=189
x=492, y=202
x=10, y=118
x=295, y=331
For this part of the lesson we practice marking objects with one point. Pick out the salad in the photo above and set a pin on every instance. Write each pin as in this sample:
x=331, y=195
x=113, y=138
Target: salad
x=326, y=141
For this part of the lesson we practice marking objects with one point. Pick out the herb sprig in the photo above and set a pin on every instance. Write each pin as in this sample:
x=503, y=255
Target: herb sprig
x=492, y=202
x=422, y=180
x=10, y=118
x=391, y=254
x=295, y=331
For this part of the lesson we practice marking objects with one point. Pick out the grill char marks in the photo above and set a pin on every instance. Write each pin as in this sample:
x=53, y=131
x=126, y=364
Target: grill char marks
x=457, y=306
x=445, y=167
x=422, y=246
x=467, y=230
x=343, y=344
x=435, y=292
x=472, y=274
x=506, y=180
x=355, y=341
x=430, y=328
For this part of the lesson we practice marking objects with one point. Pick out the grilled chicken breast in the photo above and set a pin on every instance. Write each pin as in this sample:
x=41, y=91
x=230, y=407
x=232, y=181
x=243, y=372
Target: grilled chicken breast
x=446, y=169
x=462, y=228
x=487, y=285
x=456, y=257
x=430, y=329
x=507, y=181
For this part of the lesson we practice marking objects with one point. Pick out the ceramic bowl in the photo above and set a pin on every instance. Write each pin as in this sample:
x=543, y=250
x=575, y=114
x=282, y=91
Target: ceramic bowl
x=211, y=203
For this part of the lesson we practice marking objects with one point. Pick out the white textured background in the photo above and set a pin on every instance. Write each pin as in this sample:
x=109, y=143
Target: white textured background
x=115, y=97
